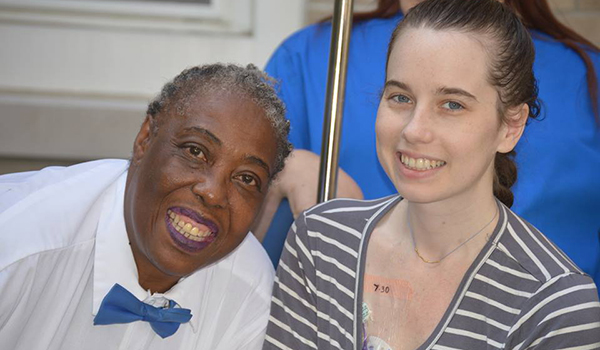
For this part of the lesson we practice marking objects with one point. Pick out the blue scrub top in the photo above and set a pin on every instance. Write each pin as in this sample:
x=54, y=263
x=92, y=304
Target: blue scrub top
x=558, y=186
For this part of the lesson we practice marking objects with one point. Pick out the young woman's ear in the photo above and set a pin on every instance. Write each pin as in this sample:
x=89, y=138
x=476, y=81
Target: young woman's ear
x=512, y=127
x=143, y=139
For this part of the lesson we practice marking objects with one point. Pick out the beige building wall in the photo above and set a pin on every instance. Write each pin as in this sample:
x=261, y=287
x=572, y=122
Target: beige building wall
x=76, y=76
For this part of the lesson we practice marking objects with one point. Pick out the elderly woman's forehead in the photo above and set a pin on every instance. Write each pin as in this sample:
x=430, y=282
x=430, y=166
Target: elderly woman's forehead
x=196, y=98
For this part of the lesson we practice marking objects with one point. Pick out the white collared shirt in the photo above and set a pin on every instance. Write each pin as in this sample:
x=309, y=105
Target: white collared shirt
x=63, y=245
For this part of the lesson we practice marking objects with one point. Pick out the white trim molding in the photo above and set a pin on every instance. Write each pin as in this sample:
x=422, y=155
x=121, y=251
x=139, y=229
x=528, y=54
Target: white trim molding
x=223, y=16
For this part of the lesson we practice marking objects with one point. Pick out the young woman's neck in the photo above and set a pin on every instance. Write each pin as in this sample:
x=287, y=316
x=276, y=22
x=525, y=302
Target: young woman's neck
x=438, y=228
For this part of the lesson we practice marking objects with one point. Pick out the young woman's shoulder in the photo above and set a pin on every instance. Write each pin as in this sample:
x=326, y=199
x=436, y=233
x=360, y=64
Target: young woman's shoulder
x=352, y=206
x=344, y=219
x=533, y=251
x=563, y=313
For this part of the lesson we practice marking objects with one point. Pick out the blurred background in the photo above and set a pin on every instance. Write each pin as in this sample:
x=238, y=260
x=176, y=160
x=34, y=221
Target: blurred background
x=76, y=75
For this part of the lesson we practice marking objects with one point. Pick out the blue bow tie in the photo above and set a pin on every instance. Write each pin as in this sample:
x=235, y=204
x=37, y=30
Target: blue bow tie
x=120, y=306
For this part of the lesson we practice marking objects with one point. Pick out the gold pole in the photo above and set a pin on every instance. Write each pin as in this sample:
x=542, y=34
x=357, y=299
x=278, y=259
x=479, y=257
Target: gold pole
x=334, y=99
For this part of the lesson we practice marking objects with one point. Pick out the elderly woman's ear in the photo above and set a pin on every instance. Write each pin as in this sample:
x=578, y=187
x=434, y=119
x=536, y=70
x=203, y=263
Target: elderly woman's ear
x=143, y=139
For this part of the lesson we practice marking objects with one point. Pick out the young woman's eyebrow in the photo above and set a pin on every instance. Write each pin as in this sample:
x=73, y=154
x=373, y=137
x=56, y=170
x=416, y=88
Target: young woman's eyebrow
x=205, y=132
x=454, y=91
x=398, y=84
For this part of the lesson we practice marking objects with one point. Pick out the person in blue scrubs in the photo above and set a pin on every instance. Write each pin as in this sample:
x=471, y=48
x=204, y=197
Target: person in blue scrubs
x=558, y=189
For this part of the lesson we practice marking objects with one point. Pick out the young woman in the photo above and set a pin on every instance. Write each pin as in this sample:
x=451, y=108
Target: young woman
x=448, y=265
x=556, y=191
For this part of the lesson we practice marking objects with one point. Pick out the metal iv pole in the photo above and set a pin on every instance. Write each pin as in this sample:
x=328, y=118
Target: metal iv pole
x=334, y=99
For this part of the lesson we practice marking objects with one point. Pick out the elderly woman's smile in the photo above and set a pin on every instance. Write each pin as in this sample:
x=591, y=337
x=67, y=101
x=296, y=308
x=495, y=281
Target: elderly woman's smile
x=189, y=229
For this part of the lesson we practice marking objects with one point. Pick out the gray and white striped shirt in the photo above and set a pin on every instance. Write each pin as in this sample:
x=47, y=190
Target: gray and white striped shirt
x=521, y=292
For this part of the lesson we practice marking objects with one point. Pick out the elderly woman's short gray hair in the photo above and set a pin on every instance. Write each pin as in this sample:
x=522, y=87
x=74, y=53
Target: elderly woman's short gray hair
x=250, y=82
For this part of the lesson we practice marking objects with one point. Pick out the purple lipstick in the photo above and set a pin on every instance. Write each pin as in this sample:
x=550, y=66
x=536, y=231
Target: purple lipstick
x=189, y=230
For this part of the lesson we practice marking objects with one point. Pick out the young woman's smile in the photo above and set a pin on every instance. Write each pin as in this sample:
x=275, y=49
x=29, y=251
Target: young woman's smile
x=416, y=166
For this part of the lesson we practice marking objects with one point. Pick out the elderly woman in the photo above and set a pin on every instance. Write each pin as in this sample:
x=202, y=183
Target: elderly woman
x=153, y=253
x=447, y=265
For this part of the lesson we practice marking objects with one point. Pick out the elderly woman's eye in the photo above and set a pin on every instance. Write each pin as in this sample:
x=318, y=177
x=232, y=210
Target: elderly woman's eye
x=197, y=152
x=453, y=106
x=249, y=180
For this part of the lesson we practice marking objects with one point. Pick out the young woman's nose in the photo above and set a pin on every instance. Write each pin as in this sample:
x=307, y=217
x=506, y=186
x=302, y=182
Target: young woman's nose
x=418, y=127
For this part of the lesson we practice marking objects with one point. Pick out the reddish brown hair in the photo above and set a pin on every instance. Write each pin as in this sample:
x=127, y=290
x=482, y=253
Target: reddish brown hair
x=536, y=14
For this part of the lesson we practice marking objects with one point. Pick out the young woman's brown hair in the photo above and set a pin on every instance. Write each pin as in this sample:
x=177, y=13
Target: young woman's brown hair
x=535, y=14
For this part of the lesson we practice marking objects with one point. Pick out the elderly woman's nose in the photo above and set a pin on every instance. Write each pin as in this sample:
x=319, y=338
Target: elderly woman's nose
x=212, y=190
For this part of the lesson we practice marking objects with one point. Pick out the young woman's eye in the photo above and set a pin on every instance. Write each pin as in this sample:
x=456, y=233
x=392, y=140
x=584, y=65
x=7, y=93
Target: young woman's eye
x=401, y=99
x=453, y=106
x=197, y=152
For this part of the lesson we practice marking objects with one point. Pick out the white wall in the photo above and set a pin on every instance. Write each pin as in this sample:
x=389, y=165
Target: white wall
x=74, y=84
